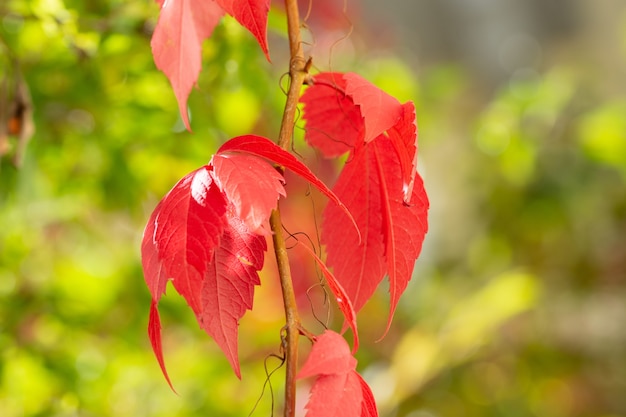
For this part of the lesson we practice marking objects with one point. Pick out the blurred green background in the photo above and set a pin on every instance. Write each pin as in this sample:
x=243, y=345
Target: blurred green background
x=518, y=304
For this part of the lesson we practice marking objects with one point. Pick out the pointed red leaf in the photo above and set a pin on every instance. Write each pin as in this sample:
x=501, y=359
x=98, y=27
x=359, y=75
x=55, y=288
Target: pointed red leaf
x=177, y=43
x=358, y=267
x=251, y=185
x=333, y=122
x=371, y=187
x=343, y=301
x=368, y=408
x=338, y=391
x=154, y=333
x=228, y=288
x=330, y=355
x=251, y=14
x=404, y=226
x=379, y=110
x=403, y=136
x=178, y=243
x=265, y=148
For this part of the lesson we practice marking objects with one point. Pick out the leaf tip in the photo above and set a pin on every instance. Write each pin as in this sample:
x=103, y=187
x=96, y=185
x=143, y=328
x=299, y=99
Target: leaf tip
x=184, y=114
x=154, y=333
x=388, y=327
x=266, y=51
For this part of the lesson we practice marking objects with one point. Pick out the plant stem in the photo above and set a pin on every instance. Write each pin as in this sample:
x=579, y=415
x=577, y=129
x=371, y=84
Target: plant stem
x=291, y=315
x=297, y=74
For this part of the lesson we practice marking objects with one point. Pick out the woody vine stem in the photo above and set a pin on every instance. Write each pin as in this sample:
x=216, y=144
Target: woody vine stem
x=297, y=74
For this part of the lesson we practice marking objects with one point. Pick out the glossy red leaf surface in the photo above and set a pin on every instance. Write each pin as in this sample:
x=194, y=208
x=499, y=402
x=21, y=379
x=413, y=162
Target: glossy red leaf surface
x=338, y=390
x=251, y=185
x=177, y=43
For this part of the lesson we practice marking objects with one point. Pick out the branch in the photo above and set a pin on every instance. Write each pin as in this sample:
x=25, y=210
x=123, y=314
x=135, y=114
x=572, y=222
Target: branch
x=297, y=74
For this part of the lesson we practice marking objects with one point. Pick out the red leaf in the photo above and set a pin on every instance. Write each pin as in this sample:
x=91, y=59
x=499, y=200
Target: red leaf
x=343, y=301
x=333, y=123
x=251, y=14
x=358, y=267
x=207, y=251
x=251, y=185
x=337, y=395
x=404, y=226
x=179, y=240
x=265, y=148
x=154, y=333
x=338, y=391
x=392, y=232
x=181, y=235
x=177, y=43
x=403, y=136
x=379, y=110
x=228, y=288
x=330, y=355
x=368, y=408
x=381, y=167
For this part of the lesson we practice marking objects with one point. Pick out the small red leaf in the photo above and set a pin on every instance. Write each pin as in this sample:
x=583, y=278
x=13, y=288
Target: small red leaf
x=177, y=43
x=330, y=355
x=338, y=391
x=343, y=301
x=333, y=123
x=154, y=333
x=368, y=408
x=403, y=136
x=379, y=110
x=251, y=14
x=228, y=288
x=265, y=148
x=251, y=185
